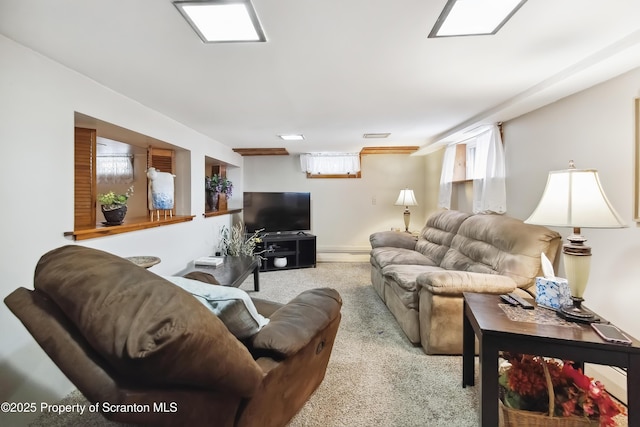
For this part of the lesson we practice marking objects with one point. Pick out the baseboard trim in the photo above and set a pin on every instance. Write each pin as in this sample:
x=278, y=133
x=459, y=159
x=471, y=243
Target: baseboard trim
x=343, y=253
x=342, y=257
x=345, y=249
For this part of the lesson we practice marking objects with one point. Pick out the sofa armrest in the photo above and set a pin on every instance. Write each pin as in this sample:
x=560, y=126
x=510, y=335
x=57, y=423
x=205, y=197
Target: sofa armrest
x=64, y=344
x=456, y=282
x=393, y=239
x=293, y=326
x=266, y=308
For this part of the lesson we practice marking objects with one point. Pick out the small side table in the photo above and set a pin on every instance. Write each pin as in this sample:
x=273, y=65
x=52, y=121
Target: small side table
x=234, y=270
x=144, y=261
x=483, y=318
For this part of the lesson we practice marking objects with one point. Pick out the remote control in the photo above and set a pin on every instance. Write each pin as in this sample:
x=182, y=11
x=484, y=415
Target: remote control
x=510, y=300
x=523, y=302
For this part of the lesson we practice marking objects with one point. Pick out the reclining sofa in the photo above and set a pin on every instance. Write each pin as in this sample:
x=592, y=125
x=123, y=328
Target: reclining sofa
x=422, y=280
x=127, y=338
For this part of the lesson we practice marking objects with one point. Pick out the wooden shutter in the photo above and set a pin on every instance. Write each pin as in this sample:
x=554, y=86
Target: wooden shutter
x=84, y=178
x=460, y=165
x=161, y=159
x=220, y=170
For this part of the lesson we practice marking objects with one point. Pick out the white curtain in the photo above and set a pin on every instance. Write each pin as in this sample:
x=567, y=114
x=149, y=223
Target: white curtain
x=446, y=177
x=330, y=163
x=489, y=174
x=114, y=169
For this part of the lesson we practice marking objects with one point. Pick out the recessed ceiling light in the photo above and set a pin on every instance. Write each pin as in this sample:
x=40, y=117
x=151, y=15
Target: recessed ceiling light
x=292, y=137
x=376, y=135
x=473, y=17
x=222, y=20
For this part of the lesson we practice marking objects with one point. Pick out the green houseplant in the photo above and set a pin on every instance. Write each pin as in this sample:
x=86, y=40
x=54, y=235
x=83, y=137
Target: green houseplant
x=114, y=206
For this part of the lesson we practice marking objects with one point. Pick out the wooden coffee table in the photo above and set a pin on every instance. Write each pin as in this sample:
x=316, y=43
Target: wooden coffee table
x=234, y=271
x=484, y=318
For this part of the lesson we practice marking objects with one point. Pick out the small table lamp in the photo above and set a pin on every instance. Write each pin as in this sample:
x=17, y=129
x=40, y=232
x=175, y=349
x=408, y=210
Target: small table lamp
x=574, y=198
x=406, y=199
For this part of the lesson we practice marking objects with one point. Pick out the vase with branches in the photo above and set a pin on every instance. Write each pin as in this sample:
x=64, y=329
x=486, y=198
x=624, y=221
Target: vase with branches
x=236, y=241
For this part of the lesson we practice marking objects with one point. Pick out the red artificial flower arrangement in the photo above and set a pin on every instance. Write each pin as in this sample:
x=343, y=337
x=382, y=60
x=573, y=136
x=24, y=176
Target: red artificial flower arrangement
x=524, y=386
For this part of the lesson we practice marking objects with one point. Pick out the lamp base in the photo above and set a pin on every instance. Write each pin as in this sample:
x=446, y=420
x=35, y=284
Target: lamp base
x=407, y=218
x=576, y=313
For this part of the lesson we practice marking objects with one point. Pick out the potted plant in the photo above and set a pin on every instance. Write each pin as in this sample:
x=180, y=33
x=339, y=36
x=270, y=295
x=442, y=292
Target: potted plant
x=547, y=392
x=114, y=206
x=214, y=186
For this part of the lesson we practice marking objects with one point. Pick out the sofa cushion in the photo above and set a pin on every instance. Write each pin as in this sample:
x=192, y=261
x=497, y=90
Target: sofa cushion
x=436, y=237
x=232, y=305
x=382, y=257
x=496, y=244
x=402, y=281
x=142, y=325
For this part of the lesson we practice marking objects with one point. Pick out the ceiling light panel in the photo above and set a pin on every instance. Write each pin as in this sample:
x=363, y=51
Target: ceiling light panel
x=473, y=17
x=376, y=135
x=291, y=137
x=222, y=20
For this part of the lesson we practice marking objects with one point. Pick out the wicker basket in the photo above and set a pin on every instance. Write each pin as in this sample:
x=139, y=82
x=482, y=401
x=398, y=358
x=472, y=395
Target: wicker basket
x=520, y=418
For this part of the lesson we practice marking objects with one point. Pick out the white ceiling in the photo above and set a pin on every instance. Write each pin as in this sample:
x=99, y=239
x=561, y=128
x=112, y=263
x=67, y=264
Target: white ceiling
x=334, y=69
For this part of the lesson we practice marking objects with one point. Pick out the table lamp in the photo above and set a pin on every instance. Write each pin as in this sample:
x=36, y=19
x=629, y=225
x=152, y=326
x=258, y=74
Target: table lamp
x=406, y=199
x=574, y=198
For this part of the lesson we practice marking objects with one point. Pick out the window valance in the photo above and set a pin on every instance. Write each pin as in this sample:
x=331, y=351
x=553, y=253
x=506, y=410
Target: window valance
x=330, y=163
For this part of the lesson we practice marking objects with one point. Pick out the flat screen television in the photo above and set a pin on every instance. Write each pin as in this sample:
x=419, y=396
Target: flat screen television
x=276, y=212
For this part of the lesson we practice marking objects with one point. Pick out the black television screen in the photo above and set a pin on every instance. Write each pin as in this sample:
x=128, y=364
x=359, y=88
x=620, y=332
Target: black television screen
x=277, y=212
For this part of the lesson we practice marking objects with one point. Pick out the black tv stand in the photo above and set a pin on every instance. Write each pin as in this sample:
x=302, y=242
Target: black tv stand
x=299, y=250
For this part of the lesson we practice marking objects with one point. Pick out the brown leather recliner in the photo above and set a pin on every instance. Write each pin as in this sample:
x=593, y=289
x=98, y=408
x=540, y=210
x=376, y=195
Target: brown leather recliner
x=125, y=336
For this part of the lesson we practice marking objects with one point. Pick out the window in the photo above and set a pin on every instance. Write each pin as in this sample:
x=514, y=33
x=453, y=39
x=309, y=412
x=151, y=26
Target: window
x=331, y=165
x=460, y=163
x=114, y=169
x=470, y=157
x=480, y=160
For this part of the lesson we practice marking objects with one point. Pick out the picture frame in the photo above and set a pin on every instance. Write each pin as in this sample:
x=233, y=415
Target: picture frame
x=636, y=186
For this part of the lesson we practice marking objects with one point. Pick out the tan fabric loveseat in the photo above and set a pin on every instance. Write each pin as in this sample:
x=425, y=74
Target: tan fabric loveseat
x=422, y=280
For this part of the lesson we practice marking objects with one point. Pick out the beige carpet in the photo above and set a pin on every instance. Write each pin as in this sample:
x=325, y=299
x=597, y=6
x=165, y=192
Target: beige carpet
x=375, y=376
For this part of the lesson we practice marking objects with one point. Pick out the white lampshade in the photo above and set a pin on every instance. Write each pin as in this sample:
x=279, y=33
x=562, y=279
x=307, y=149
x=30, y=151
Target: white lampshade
x=406, y=198
x=574, y=198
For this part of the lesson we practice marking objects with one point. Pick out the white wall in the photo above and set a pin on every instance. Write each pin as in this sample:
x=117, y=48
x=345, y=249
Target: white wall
x=595, y=128
x=346, y=211
x=38, y=99
x=433, y=170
